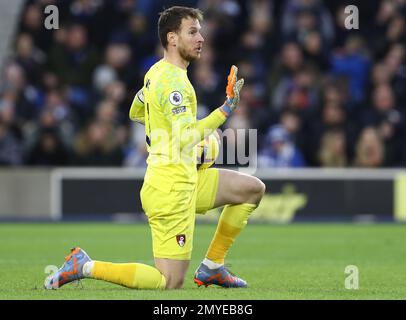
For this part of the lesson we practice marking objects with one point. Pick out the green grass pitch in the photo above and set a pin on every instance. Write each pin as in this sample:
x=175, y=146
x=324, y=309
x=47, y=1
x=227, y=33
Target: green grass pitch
x=297, y=261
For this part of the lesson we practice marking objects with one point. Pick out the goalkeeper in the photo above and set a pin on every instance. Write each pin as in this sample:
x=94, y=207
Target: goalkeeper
x=174, y=190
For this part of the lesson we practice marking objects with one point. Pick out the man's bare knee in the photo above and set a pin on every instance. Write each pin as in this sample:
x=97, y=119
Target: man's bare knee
x=237, y=188
x=255, y=190
x=261, y=188
x=173, y=282
x=174, y=271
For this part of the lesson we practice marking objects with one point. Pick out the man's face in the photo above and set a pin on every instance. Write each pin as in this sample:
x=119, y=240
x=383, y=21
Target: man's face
x=189, y=39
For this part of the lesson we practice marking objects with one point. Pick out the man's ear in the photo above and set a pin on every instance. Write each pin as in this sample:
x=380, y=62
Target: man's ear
x=172, y=38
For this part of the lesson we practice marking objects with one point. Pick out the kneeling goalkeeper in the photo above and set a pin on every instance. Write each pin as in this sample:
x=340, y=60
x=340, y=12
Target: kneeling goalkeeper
x=173, y=189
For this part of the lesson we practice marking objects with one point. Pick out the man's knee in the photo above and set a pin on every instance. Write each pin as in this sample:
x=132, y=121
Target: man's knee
x=174, y=271
x=174, y=281
x=260, y=187
x=255, y=190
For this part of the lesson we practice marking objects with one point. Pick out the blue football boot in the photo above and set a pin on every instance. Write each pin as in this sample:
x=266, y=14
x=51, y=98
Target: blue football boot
x=70, y=271
x=220, y=276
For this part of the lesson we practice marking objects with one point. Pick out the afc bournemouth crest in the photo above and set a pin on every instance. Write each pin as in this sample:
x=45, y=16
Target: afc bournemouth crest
x=181, y=239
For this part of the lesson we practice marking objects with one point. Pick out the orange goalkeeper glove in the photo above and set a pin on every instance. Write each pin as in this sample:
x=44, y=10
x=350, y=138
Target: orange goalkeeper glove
x=233, y=92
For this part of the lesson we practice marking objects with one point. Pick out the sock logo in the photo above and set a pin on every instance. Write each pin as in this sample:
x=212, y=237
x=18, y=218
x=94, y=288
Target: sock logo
x=181, y=239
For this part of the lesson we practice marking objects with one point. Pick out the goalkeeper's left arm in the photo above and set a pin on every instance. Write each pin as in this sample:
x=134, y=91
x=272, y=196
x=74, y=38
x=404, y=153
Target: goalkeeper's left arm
x=214, y=120
x=137, y=108
x=211, y=122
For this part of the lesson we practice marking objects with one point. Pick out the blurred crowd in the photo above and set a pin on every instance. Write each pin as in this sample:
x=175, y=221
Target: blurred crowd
x=319, y=95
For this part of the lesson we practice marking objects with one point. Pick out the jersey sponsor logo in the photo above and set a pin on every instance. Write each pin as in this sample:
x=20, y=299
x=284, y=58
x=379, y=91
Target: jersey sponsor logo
x=178, y=110
x=175, y=98
x=181, y=239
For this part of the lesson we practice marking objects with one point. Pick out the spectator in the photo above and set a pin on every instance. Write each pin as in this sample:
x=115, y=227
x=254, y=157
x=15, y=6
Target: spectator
x=380, y=74
x=48, y=150
x=279, y=151
x=256, y=45
x=302, y=16
x=96, y=145
x=394, y=62
x=10, y=148
x=396, y=29
x=115, y=91
x=65, y=118
x=208, y=85
x=257, y=113
x=74, y=59
x=118, y=57
x=298, y=93
x=332, y=152
x=29, y=58
x=389, y=121
x=107, y=113
x=333, y=117
x=353, y=64
x=8, y=115
x=314, y=51
x=33, y=24
x=293, y=124
x=380, y=30
x=19, y=93
x=370, y=150
x=289, y=62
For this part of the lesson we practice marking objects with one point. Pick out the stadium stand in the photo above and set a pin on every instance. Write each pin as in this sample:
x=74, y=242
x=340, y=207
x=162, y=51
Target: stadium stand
x=338, y=95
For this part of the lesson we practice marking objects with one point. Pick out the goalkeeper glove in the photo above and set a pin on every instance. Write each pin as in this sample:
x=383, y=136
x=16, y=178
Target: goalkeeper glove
x=233, y=92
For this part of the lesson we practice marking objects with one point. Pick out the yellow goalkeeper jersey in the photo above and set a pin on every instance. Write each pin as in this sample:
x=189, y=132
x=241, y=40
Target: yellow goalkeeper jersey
x=171, y=128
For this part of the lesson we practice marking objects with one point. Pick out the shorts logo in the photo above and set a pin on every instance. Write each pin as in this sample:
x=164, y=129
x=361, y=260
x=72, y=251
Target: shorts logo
x=181, y=239
x=175, y=98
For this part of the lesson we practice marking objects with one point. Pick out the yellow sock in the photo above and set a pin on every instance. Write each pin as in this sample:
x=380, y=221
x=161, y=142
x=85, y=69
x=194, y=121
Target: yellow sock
x=232, y=220
x=131, y=275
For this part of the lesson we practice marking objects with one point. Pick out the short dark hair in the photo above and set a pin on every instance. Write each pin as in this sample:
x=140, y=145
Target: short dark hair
x=171, y=19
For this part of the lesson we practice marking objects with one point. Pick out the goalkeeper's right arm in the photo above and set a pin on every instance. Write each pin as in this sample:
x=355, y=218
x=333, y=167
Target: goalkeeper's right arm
x=137, y=108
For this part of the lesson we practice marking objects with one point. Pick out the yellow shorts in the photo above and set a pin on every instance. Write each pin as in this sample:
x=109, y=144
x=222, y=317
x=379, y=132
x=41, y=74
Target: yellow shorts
x=207, y=185
x=171, y=214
